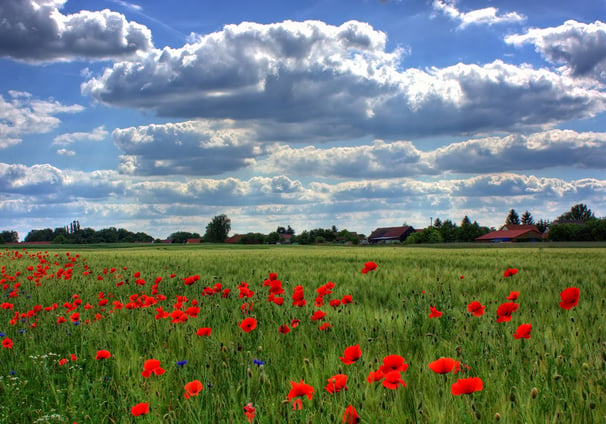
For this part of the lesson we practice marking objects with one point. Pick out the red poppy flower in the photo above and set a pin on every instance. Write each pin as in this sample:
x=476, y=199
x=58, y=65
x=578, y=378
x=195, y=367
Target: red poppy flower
x=570, y=297
x=466, y=386
x=325, y=326
x=204, y=332
x=351, y=416
x=374, y=376
x=336, y=383
x=248, y=324
x=140, y=409
x=103, y=354
x=284, y=329
x=62, y=361
x=523, y=331
x=369, y=266
x=152, y=366
x=249, y=412
x=434, y=312
x=476, y=308
x=346, y=299
x=445, y=365
x=335, y=302
x=505, y=310
x=299, y=390
x=393, y=379
x=318, y=315
x=193, y=388
x=351, y=354
x=393, y=363
x=509, y=272
x=295, y=323
x=513, y=295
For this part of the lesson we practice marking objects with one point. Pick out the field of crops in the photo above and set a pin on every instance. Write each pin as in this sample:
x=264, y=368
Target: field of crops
x=302, y=335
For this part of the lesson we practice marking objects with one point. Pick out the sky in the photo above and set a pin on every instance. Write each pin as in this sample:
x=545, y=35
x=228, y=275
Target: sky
x=155, y=116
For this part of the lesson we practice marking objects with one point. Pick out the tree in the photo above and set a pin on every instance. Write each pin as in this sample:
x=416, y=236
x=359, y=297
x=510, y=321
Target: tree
x=527, y=218
x=466, y=221
x=290, y=231
x=217, y=229
x=182, y=236
x=543, y=224
x=512, y=218
x=9, y=237
x=579, y=212
x=437, y=222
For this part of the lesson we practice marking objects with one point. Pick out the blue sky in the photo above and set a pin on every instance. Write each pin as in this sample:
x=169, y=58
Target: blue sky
x=155, y=116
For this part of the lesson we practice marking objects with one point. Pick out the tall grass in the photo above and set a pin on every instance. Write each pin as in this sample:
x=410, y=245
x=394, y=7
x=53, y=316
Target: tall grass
x=558, y=375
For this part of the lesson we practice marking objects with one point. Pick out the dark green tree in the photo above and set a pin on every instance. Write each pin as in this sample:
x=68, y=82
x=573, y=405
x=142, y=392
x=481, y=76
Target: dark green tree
x=182, y=236
x=542, y=224
x=526, y=218
x=217, y=229
x=437, y=222
x=512, y=218
x=9, y=237
x=579, y=212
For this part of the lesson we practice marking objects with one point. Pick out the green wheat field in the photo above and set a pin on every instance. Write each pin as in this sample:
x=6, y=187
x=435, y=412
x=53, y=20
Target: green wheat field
x=111, y=299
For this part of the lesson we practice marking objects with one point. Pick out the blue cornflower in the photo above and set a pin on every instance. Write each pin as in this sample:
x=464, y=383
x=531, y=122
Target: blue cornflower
x=76, y=322
x=22, y=331
x=12, y=372
x=2, y=334
x=180, y=364
x=258, y=362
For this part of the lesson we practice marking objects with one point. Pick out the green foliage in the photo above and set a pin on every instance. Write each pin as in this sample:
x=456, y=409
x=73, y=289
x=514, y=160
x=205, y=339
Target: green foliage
x=218, y=229
x=9, y=237
x=527, y=218
x=252, y=238
x=182, y=236
x=592, y=230
x=579, y=212
x=512, y=218
x=428, y=235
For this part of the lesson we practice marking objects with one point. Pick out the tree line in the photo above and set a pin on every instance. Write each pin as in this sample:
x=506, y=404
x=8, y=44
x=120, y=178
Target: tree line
x=577, y=224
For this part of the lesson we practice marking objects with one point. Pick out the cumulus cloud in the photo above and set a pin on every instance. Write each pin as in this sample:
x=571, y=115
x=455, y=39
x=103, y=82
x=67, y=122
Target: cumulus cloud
x=554, y=148
x=340, y=76
x=36, y=31
x=97, y=134
x=22, y=114
x=159, y=206
x=580, y=47
x=187, y=148
x=486, y=16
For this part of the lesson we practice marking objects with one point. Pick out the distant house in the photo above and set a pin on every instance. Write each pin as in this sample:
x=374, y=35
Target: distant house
x=193, y=241
x=390, y=234
x=512, y=233
x=233, y=239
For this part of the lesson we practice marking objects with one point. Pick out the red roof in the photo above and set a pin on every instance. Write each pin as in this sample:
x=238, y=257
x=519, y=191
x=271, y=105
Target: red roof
x=233, y=239
x=508, y=234
x=389, y=233
x=519, y=227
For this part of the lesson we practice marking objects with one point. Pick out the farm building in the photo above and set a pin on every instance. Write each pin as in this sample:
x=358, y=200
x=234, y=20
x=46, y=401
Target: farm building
x=512, y=233
x=390, y=234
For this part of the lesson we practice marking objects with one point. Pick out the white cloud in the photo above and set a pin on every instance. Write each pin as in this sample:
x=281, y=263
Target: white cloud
x=97, y=134
x=554, y=148
x=580, y=47
x=306, y=73
x=66, y=152
x=186, y=148
x=22, y=114
x=36, y=31
x=486, y=16
x=44, y=194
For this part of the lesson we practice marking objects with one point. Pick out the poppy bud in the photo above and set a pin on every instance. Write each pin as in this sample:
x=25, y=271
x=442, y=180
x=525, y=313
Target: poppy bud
x=249, y=372
x=591, y=405
x=512, y=396
x=260, y=349
x=534, y=393
x=478, y=415
x=497, y=417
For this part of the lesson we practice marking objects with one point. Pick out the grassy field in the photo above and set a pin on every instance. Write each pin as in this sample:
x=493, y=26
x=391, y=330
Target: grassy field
x=558, y=375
